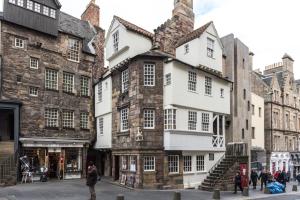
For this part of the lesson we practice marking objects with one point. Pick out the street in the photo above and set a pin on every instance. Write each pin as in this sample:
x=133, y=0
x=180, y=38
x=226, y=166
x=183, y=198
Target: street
x=76, y=190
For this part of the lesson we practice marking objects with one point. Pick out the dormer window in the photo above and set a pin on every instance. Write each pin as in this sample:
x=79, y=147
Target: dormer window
x=12, y=1
x=37, y=7
x=20, y=3
x=29, y=5
x=73, y=50
x=210, y=47
x=46, y=10
x=186, y=49
x=116, y=41
x=52, y=13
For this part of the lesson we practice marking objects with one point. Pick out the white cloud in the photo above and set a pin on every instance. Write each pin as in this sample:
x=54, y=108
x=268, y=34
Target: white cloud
x=268, y=27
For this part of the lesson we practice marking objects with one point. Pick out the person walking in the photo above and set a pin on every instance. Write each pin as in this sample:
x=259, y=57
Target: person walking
x=254, y=178
x=237, y=182
x=282, y=179
x=263, y=177
x=91, y=181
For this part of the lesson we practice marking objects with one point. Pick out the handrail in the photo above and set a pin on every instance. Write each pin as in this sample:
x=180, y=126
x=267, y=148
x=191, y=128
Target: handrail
x=217, y=163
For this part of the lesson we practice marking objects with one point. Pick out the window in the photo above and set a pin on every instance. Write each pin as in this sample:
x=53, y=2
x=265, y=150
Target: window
x=45, y=10
x=249, y=106
x=187, y=163
x=84, y=121
x=205, y=122
x=116, y=41
x=125, y=80
x=19, y=43
x=192, y=81
x=211, y=157
x=12, y=1
x=243, y=133
x=253, y=132
x=245, y=93
x=68, y=82
x=168, y=79
x=68, y=119
x=210, y=47
x=149, y=119
x=200, y=163
x=100, y=125
x=51, y=117
x=85, y=89
x=52, y=13
x=132, y=163
x=222, y=93
x=33, y=91
x=208, y=85
x=51, y=79
x=247, y=124
x=287, y=121
x=124, y=162
x=259, y=111
x=253, y=109
x=149, y=75
x=124, y=119
x=19, y=78
x=73, y=50
x=20, y=3
x=192, y=123
x=170, y=119
x=287, y=99
x=100, y=95
x=149, y=163
x=29, y=5
x=173, y=163
x=34, y=63
x=37, y=7
x=186, y=49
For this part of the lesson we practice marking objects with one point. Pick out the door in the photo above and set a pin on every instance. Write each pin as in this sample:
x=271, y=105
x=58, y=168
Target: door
x=54, y=165
x=117, y=168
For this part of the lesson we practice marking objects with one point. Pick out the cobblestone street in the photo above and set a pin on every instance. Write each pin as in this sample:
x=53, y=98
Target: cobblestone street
x=76, y=190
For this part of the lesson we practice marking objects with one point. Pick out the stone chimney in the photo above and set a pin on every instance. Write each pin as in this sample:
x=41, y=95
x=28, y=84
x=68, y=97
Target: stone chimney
x=184, y=9
x=288, y=63
x=92, y=14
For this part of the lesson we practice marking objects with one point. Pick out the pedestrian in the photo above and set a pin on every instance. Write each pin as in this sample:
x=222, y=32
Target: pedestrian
x=276, y=175
x=263, y=177
x=288, y=176
x=92, y=179
x=237, y=182
x=254, y=178
x=282, y=178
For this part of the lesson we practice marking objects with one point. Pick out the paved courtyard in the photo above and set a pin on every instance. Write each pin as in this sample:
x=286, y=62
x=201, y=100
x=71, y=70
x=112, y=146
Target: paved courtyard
x=76, y=190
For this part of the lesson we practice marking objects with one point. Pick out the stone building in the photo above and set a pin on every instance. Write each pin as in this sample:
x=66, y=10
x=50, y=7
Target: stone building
x=282, y=120
x=49, y=61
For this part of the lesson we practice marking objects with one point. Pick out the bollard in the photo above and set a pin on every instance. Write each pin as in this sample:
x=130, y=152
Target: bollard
x=120, y=197
x=216, y=194
x=177, y=196
x=246, y=192
x=295, y=188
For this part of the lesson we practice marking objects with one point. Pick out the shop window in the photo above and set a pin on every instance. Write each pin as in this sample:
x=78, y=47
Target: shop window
x=73, y=162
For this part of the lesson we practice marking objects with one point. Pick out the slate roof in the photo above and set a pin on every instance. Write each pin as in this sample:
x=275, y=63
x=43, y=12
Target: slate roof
x=195, y=34
x=280, y=78
x=79, y=28
x=135, y=28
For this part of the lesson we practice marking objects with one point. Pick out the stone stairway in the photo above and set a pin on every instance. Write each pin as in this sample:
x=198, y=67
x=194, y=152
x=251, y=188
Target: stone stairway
x=8, y=172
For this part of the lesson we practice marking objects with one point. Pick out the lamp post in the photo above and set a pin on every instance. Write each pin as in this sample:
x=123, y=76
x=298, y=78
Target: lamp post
x=269, y=151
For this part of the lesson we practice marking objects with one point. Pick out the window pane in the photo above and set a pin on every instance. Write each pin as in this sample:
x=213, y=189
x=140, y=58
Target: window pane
x=149, y=75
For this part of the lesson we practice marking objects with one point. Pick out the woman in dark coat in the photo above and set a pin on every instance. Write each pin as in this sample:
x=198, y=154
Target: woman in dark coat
x=91, y=179
x=254, y=178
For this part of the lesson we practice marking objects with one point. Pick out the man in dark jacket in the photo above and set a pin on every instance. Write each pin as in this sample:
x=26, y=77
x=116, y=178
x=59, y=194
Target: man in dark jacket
x=263, y=179
x=237, y=182
x=254, y=178
x=91, y=179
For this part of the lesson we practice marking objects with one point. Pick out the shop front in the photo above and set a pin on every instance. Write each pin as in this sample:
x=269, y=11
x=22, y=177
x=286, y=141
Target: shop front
x=280, y=161
x=62, y=159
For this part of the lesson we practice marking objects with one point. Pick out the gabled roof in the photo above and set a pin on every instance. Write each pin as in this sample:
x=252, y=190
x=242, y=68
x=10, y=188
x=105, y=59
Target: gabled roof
x=134, y=28
x=279, y=76
x=195, y=34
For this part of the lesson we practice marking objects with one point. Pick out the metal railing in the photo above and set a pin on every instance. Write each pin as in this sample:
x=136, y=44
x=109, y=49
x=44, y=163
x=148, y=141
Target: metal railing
x=6, y=166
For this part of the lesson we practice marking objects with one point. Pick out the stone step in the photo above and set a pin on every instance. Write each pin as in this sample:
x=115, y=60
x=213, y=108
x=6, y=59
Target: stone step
x=205, y=188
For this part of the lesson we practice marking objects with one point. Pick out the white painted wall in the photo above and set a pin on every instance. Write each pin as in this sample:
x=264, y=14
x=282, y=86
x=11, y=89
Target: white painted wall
x=103, y=110
x=198, y=51
x=194, y=179
x=258, y=121
x=177, y=93
x=130, y=44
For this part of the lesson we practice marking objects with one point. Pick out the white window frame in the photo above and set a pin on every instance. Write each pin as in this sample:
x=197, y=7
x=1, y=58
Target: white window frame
x=168, y=79
x=34, y=63
x=100, y=92
x=101, y=125
x=149, y=164
x=192, y=81
x=12, y=1
x=52, y=13
x=37, y=7
x=46, y=10
x=29, y=4
x=84, y=121
x=210, y=47
x=200, y=163
x=20, y=3
x=192, y=121
x=85, y=86
x=205, y=122
x=68, y=119
x=51, y=80
x=173, y=164
x=170, y=119
x=149, y=119
x=73, y=50
x=116, y=39
x=186, y=48
x=222, y=93
x=19, y=43
x=187, y=164
x=51, y=118
x=124, y=116
x=208, y=86
x=125, y=80
x=33, y=91
x=68, y=82
x=149, y=75
x=124, y=161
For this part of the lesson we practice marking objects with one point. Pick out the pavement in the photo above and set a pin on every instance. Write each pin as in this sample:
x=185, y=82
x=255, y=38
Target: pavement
x=77, y=190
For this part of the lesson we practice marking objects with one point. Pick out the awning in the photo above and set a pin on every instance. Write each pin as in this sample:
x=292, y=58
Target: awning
x=53, y=143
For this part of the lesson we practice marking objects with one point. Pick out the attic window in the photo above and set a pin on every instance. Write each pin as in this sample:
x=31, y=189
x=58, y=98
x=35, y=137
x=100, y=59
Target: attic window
x=37, y=7
x=186, y=49
x=52, y=13
x=20, y=3
x=45, y=10
x=29, y=5
x=73, y=50
x=210, y=47
x=116, y=41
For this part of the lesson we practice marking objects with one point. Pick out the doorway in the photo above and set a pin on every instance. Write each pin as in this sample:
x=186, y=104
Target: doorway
x=6, y=125
x=53, y=165
x=117, y=168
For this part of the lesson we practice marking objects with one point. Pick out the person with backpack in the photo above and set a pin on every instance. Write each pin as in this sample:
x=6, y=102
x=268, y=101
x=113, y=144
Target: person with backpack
x=91, y=180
